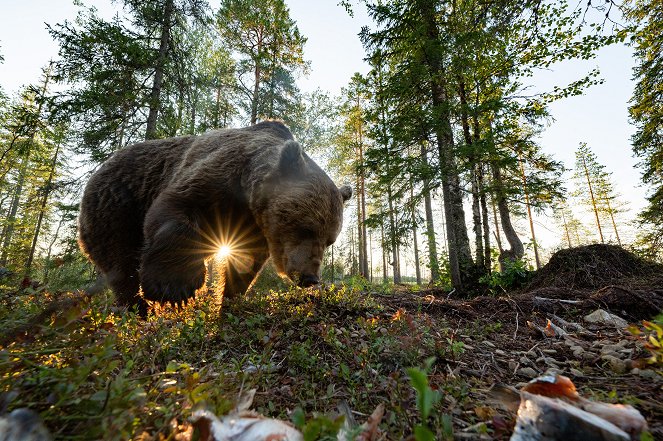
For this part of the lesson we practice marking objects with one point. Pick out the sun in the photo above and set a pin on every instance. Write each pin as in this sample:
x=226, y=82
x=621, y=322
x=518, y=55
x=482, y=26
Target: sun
x=223, y=252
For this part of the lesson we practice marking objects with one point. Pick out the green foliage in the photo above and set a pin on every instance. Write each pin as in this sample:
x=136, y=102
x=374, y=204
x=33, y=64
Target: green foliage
x=652, y=334
x=271, y=49
x=318, y=428
x=646, y=112
x=515, y=274
x=427, y=399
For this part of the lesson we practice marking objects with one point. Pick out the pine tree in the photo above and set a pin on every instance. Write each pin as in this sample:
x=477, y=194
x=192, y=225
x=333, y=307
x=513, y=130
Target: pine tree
x=647, y=112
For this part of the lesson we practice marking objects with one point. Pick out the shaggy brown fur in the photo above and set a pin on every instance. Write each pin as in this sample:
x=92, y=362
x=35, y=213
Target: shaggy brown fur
x=156, y=210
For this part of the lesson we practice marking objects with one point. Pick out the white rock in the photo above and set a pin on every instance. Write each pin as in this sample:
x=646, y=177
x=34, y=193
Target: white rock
x=605, y=318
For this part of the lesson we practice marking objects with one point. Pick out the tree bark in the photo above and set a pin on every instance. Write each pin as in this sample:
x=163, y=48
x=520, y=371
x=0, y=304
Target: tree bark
x=155, y=94
x=385, y=277
x=417, y=267
x=517, y=250
x=42, y=210
x=430, y=226
x=529, y=211
x=591, y=194
x=460, y=255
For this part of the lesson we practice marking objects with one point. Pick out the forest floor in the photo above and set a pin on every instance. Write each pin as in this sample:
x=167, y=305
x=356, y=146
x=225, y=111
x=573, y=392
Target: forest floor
x=92, y=372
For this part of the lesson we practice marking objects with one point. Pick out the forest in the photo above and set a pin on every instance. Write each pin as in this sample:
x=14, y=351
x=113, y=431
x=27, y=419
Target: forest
x=436, y=301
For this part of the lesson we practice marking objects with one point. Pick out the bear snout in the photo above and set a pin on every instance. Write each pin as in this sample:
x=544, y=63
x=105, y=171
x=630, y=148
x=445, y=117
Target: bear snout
x=307, y=280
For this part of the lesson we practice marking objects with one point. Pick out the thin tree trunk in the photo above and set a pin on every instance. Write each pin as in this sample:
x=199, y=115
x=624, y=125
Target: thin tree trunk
x=42, y=210
x=50, y=247
x=370, y=252
x=591, y=194
x=417, y=267
x=486, y=225
x=612, y=218
x=333, y=269
x=256, y=94
x=566, y=229
x=476, y=203
x=8, y=232
x=155, y=94
x=517, y=250
x=430, y=226
x=394, y=244
x=497, y=226
x=529, y=211
x=385, y=278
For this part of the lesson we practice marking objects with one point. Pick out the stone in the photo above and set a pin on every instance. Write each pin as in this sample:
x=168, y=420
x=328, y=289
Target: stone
x=525, y=361
x=648, y=373
x=602, y=317
x=576, y=372
x=616, y=365
x=527, y=372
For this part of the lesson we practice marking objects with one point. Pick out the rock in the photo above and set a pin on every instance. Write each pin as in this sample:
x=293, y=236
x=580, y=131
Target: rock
x=589, y=356
x=526, y=361
x=527, y=372
x=512, y=366
x=549, y=351
x=577, y=351
x=500, y=352
x=635, y=371
x=23, y=425
x=602, y=317
x=487, y=343
x=617, y=365
x=647, y=373
x=612, y=348
x=576, y=372
x=613, y=354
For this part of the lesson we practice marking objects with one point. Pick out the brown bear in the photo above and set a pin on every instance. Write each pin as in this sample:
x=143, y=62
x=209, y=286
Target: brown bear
x=155, y=211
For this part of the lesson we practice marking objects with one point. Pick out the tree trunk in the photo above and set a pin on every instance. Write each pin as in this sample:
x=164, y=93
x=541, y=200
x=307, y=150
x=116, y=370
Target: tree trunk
x=612, y=218
x=49, y=253
x=430, y=226
x=591, y=194
x=460, y=255
x=417, y=267
x=476, y=203
x=486, y=225
x=42, y=209
x=155, y=94
x=8, y=232
x=256, y=94
x=385, y=278
x=498, y=235
x=517, y=250
x=394, y=243
x=566, y=229
x=529, y=211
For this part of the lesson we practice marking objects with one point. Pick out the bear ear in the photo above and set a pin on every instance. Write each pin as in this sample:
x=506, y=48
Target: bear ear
x=291, y=160
x=346, y=192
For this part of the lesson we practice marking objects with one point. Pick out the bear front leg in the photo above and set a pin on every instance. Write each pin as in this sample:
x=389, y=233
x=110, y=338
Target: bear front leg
x=172, y=264
x=238, y=279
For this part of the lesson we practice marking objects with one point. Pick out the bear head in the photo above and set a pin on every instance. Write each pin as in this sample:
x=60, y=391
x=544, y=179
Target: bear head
x=301, y=214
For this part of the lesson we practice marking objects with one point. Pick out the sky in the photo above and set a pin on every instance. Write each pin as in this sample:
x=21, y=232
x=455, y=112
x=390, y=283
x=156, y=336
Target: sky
x=599, y=117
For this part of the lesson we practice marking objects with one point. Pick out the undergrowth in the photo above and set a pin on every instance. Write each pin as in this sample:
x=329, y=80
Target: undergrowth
x=94, y=372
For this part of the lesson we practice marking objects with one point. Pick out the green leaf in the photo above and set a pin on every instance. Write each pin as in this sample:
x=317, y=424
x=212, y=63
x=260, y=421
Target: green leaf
x=423, y=433
x=298, y=418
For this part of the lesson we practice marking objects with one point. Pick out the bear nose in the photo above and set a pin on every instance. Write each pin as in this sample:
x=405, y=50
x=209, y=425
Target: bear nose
x=308, y=280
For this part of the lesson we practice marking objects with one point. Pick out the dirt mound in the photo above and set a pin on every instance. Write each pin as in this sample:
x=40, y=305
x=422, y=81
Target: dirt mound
x=596, y=266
